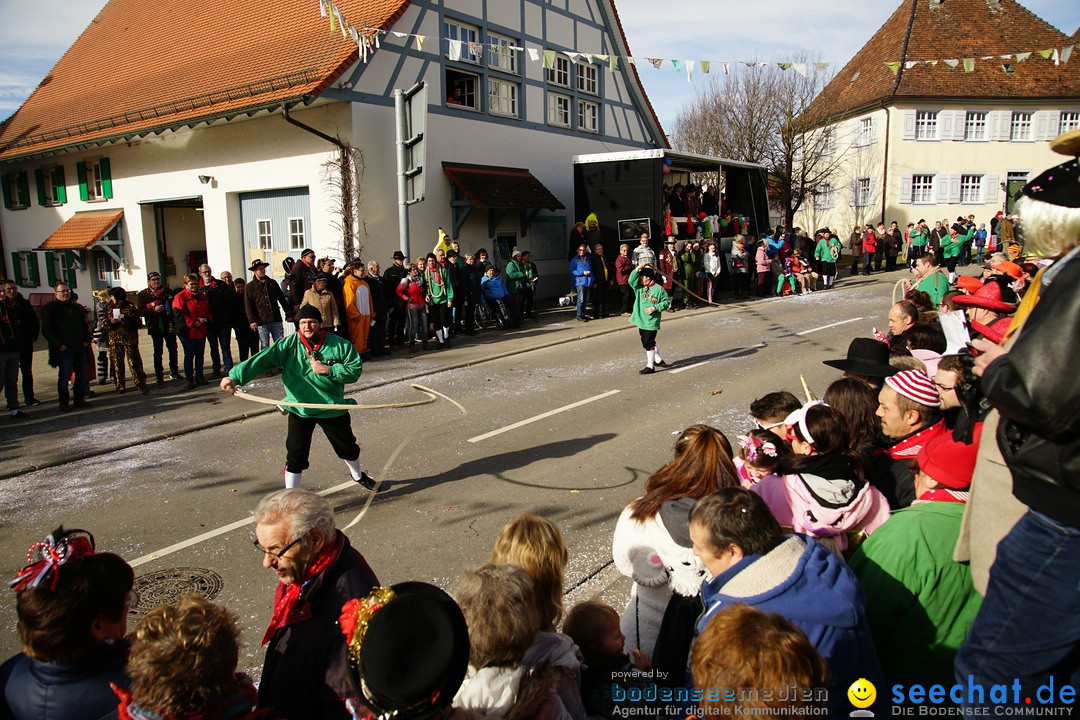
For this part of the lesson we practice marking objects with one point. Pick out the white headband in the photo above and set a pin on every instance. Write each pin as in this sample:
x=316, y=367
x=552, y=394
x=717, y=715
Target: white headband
x=798, y=417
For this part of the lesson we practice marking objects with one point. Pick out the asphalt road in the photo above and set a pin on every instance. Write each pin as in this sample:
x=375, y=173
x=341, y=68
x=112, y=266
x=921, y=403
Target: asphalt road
x=563, y=426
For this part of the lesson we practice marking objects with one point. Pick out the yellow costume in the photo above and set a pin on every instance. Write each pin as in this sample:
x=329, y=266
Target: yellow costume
x=358, y=311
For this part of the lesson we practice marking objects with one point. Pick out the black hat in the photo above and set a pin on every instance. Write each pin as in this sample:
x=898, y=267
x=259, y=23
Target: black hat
x=411, y=626
x=675, y=516
x=648, y=272
x=398, y=255
x=307, y=252
x=325, y=277
x=151, y=275
x=1060, y=185
x=865, y=356
x=309, y=312
x=256, y=264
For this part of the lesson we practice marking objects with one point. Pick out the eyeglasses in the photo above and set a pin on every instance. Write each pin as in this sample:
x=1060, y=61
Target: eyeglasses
x=944, y=388
x=280, y=553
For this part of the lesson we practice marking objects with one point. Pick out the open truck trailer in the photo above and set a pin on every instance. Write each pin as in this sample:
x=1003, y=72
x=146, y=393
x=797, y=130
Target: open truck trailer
x=626, y=190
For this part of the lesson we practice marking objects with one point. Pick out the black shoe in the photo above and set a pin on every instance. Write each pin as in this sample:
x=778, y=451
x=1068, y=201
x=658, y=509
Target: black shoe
x=64, y=407
x=200, y=380
x=89, y=393
x=19, y=415
x=661, y=363
x=646, y=371
x=174, y=375
x=161, y=380
x=367, y=483
x=32, y=401
x=81, y=404
x=190, y=385
x=440, y=346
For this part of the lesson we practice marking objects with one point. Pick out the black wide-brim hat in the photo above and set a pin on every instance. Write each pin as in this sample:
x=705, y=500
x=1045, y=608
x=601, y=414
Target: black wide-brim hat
x=865, y=356
x=414, y=654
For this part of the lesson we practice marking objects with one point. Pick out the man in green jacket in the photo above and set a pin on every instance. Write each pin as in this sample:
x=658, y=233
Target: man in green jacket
x=515, y=278
x=317, y=366
x=650, y=300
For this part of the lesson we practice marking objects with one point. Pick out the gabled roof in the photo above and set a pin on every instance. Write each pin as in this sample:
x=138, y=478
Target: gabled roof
x=950, y=29
x=144, y=66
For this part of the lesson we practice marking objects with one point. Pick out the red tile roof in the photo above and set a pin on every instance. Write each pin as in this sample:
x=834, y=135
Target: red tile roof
x=143, y=66
x=951, y=29
x=82, y=230
x=494, y=187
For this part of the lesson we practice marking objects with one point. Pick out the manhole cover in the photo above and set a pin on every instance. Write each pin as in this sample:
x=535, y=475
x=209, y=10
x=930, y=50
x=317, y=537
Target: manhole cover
x=166, y=587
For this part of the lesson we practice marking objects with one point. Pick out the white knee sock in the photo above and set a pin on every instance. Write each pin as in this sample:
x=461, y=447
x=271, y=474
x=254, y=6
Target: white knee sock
x=354, y=468
x=656, y=353
x=439, y=334
x=650, y=358
x=446, y=332
x=292, y=480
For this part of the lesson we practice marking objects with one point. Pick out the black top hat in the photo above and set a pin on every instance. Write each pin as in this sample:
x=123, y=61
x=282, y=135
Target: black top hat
x=420, y=629
x=865, y=356
x=256, y=264
x=398, y=255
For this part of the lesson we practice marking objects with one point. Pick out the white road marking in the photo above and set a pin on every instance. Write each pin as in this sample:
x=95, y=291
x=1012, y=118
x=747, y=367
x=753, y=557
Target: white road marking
x=676, y=371
x=541, y=416
x=219, y=531
x=728, y=354
x=826, y=327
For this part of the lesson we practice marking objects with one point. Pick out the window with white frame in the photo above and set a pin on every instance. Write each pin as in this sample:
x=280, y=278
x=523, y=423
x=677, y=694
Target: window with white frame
x=922, y=189
x=502, y=97
x=1070, y=120
x=297, y=236
x=975, y=125
x=926, y=125
x=500, y=54
x=866, y=131
x=108, y=270
x=1021, y=126
x=971, y=188
x=95, y=189
x=559, y=72
x=824, y=196
x=463, y=41
x=266, y=235
x=828, y=142
x=862, y=192
x=461, y=89
x=50, y=186
x=558, y=110
x=588, y=116
x=588, y=78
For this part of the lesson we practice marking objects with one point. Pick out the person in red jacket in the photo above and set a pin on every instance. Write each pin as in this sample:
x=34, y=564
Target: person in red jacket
x=192, y=312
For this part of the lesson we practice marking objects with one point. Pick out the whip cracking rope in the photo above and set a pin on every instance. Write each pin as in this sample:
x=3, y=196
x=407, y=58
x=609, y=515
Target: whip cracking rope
x=432, y=396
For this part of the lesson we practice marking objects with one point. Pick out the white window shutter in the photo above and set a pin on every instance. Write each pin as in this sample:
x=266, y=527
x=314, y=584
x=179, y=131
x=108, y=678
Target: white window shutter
x=905, y=189
x=945, y=124
x=959, y=123
x=872, y=200
x=1042, y=125
x=909, y=125
x=873, y=130
x=990, y=189
x=954, y=189
x=854, y=193
x=999, y=121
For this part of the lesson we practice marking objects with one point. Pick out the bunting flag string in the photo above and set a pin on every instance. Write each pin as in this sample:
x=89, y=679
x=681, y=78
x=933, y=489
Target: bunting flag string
x=368, y=40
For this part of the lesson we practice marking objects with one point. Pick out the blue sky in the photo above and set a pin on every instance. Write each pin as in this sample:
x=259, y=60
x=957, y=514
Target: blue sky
x=35, y=35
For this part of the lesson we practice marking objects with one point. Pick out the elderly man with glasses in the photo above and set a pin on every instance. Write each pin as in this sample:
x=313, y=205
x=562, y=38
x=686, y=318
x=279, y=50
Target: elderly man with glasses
x=63, y=323
x=306, y=671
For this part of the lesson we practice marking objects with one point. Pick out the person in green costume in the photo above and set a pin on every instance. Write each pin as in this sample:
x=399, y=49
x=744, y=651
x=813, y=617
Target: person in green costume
x=650, y=300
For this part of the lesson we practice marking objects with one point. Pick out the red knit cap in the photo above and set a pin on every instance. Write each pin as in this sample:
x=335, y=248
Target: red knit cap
x=948, y=462
x=916, y=386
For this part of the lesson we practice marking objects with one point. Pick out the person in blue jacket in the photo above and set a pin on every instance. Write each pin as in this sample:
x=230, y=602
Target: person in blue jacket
x=751, y=562
x=581, y=270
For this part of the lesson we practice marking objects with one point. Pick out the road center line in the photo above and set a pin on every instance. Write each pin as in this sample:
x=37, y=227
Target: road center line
x=541, y=416
x=721, y=356
x=209, y=534
x=676, y=371
x=826, y=327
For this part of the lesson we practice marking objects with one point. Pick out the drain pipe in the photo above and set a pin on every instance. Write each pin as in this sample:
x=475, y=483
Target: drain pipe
x=318, y=133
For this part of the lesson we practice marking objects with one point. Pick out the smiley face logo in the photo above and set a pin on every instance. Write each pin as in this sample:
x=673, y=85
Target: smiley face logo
x=862, y=693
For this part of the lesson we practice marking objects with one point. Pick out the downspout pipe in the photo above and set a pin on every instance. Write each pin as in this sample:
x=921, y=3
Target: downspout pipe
x=318, y=133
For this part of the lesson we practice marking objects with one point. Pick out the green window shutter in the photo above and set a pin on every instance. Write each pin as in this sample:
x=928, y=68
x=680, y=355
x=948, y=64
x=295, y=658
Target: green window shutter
x=24, y=189
x=69, y=259
x=39, y=180
x=106, y=177
x=80, y=172
x=16, y=268
x=4, y=184
x=60, y=187
x=50, y=269
x=32, y=266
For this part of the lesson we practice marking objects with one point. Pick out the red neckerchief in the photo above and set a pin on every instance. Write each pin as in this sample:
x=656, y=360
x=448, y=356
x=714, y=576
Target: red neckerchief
x=908, y=448
x=287, y=597
x=312, y=350
x=237, y=705
x=943, y=494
